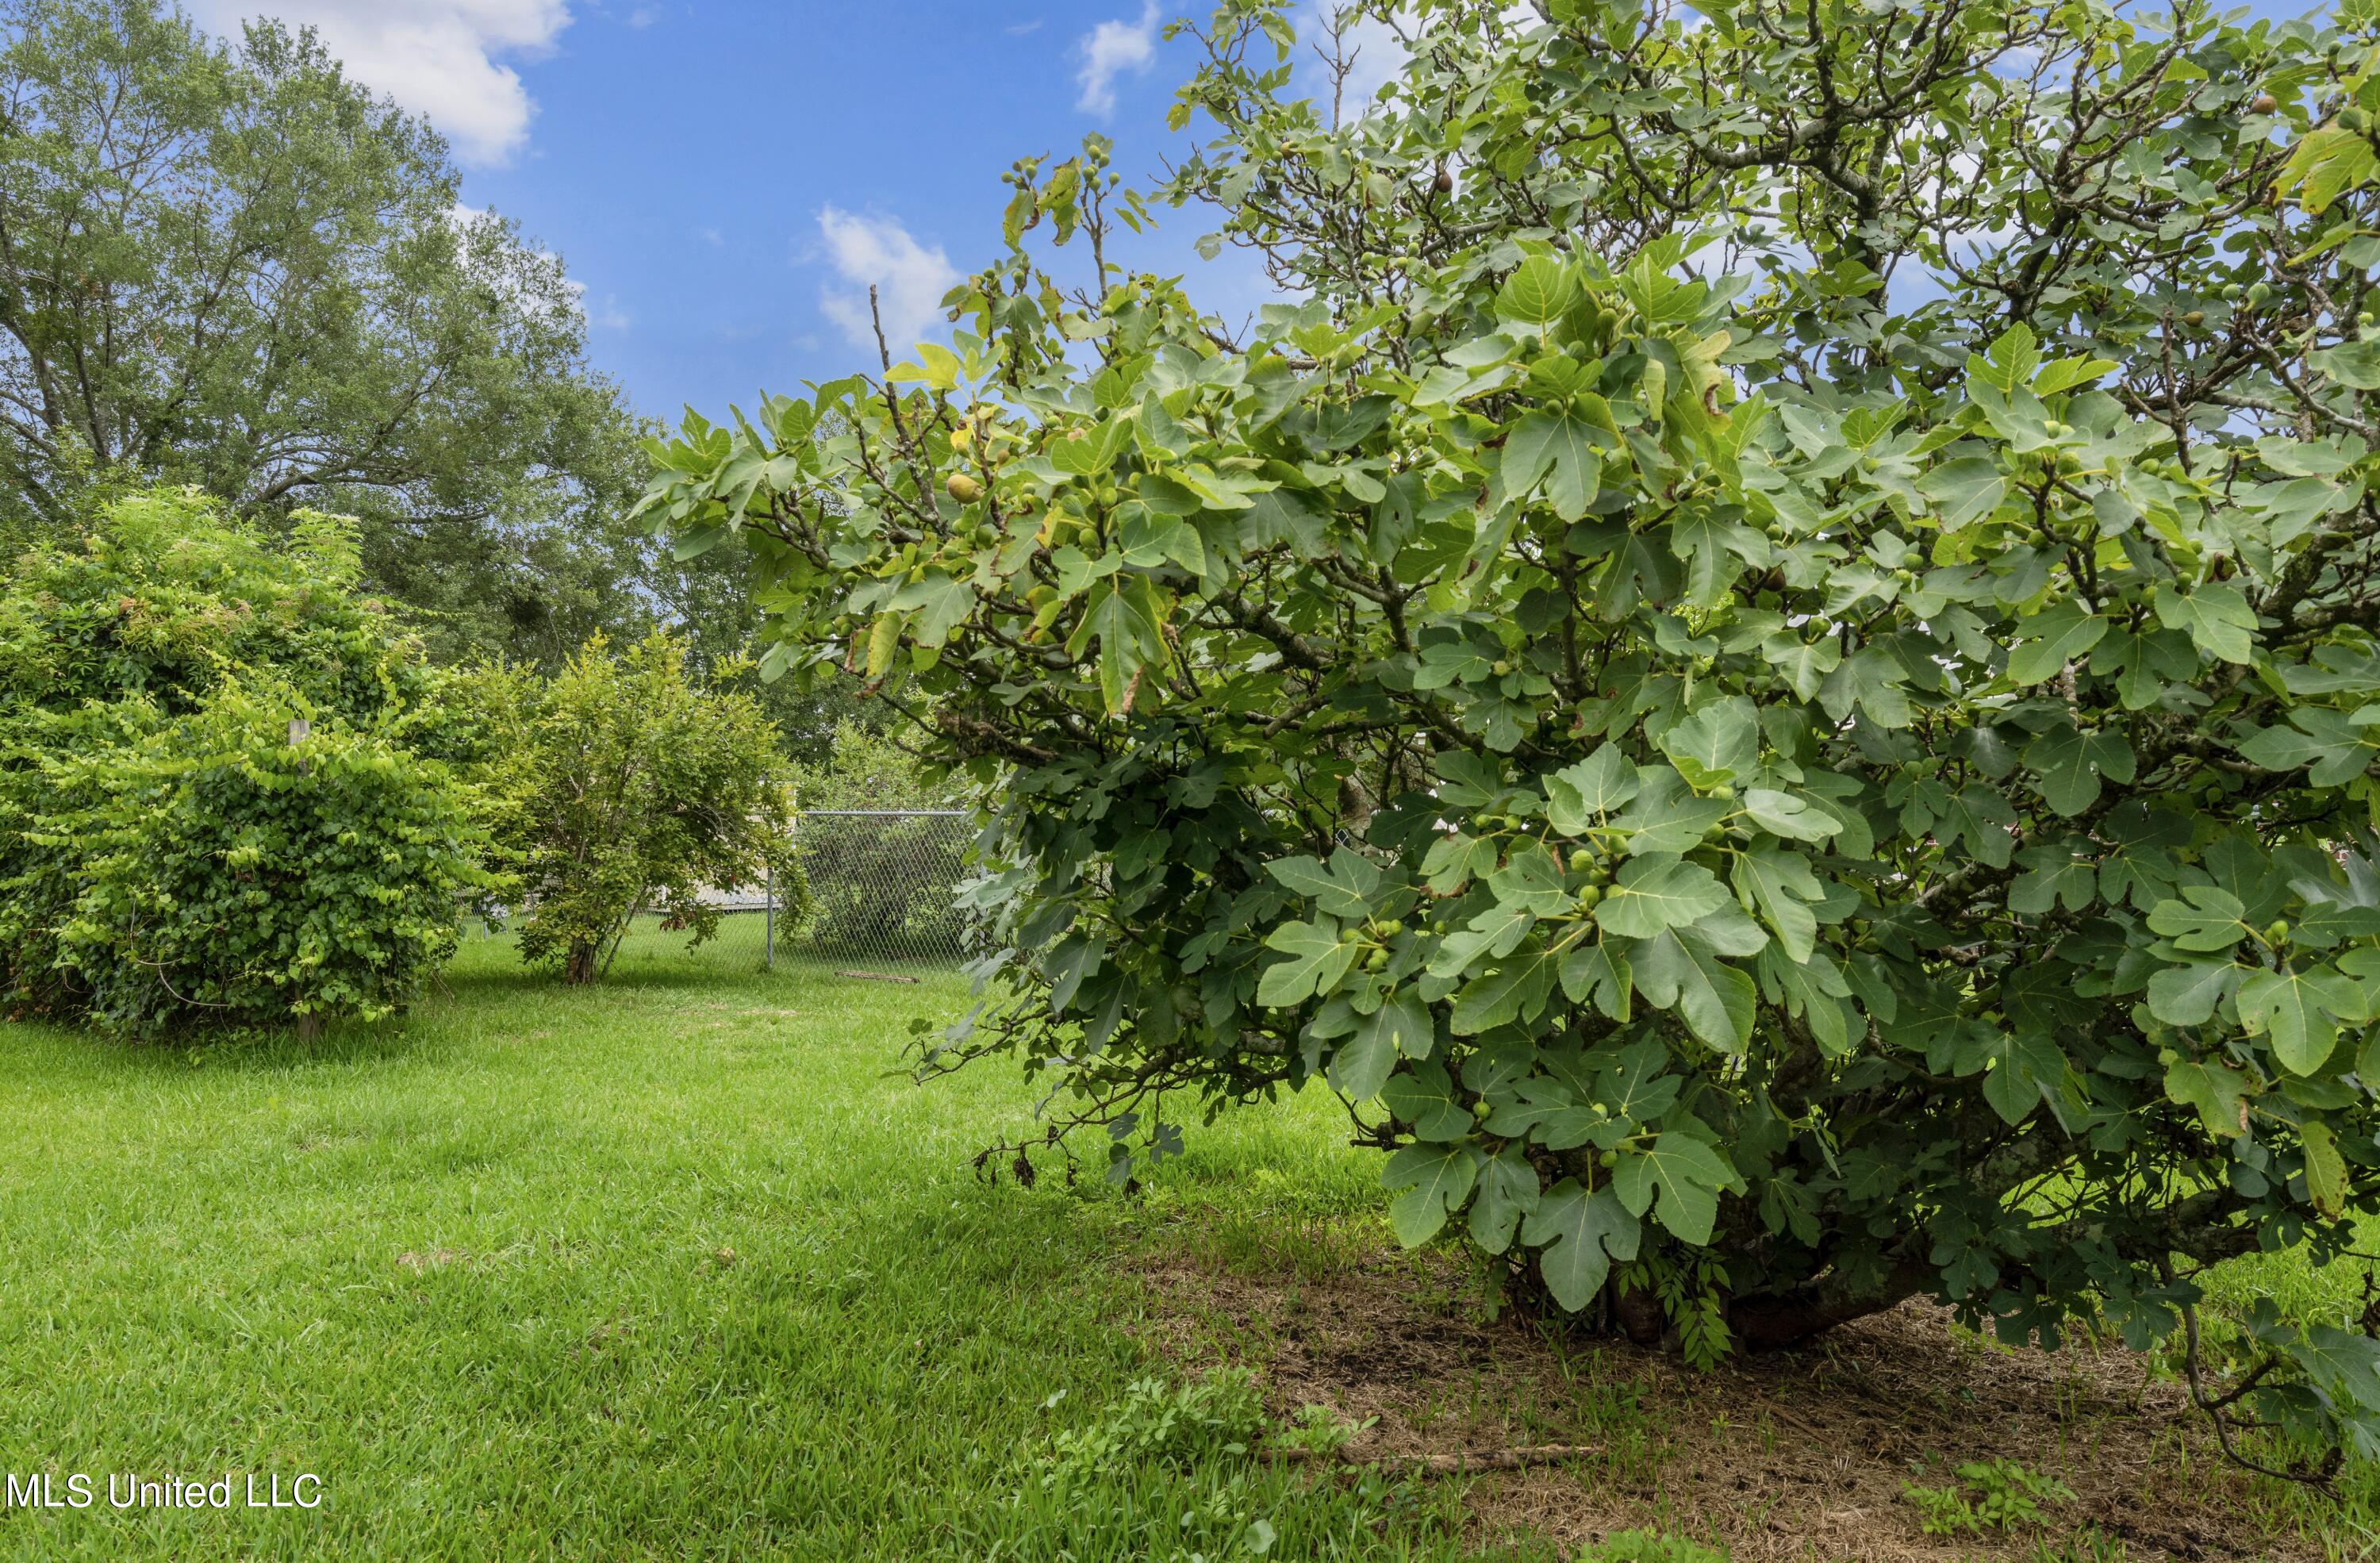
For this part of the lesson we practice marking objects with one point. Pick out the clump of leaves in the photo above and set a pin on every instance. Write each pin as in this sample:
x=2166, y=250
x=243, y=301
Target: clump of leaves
x=1693, y=1294
x=1739, y=683
x=1222, y=1413
x=1990, y=1495
x=1321, y=1430
x=1197, y=1436
x=1647, y=1546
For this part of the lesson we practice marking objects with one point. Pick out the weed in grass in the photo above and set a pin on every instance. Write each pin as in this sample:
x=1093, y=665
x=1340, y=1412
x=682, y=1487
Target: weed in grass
x=1990, y=1495
x=1222, y=1414
x=1321, y=1430
x=1643, y=1546
x=2089, y=1545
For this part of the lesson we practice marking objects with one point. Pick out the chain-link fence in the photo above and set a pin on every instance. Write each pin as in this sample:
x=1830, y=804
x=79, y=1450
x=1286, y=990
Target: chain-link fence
x=883, y=884
x=883, y=887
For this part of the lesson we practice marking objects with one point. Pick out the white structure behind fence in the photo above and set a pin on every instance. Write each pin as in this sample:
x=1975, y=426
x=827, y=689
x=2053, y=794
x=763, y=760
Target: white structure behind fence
x=883, y=884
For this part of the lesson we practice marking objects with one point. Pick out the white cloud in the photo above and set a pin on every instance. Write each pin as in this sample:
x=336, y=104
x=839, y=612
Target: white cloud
x=909, y=278
x=441, y=59
x=1109, y=50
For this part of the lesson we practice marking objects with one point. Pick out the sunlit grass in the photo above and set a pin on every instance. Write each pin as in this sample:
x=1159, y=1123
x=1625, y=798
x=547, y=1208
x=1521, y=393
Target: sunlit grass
x=683, y=1265
x=679, y=1266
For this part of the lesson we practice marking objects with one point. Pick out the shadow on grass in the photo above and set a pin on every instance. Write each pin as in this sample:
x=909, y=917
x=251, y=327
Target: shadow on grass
x=277, y=1050
x=485, y=984
x=462, y=987
x=642, y=979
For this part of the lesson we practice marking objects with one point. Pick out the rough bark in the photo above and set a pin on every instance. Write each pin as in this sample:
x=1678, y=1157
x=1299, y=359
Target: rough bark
x=1774, y=1321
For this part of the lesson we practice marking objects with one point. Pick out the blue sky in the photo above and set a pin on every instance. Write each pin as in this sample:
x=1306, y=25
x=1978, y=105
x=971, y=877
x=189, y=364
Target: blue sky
x=725, y=177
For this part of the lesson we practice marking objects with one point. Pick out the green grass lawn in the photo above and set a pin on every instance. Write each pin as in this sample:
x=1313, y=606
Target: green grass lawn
x=672, y=1268
x=681, y=1267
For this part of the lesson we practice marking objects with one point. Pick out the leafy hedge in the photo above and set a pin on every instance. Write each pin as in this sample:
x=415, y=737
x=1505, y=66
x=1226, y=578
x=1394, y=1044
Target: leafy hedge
x=168, y=858
x=228, y=875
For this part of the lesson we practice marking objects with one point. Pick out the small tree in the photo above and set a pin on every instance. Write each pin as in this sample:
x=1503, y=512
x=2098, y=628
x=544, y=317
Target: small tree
x=646, y=790
x=1771, y=674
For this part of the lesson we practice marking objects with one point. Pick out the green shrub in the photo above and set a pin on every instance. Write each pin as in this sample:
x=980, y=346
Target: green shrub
x=228, y=876
x=168, y=858
x=1776, y=687
x=643, y=787
x=165, y=599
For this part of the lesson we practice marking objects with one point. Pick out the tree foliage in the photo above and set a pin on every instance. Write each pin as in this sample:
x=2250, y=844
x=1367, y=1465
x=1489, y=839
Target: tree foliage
x=237, y=268
x=713, y=600
x=170, y=858
x=641, y=787
x=1771, y=673
x=868, y=769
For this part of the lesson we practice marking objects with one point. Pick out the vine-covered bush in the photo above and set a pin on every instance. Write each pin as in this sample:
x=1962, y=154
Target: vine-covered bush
x=228, y=875
x=164, y=600
x=643, y=787
x=1771, y=673
x=169, y=856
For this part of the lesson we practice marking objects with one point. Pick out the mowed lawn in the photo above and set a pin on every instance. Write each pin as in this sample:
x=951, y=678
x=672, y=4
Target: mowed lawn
x=681, y=1267
x=687, y=1266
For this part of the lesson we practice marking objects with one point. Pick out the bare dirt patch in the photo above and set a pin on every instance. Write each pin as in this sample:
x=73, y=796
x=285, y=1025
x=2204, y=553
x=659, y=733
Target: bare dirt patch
x=1792, y=1455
